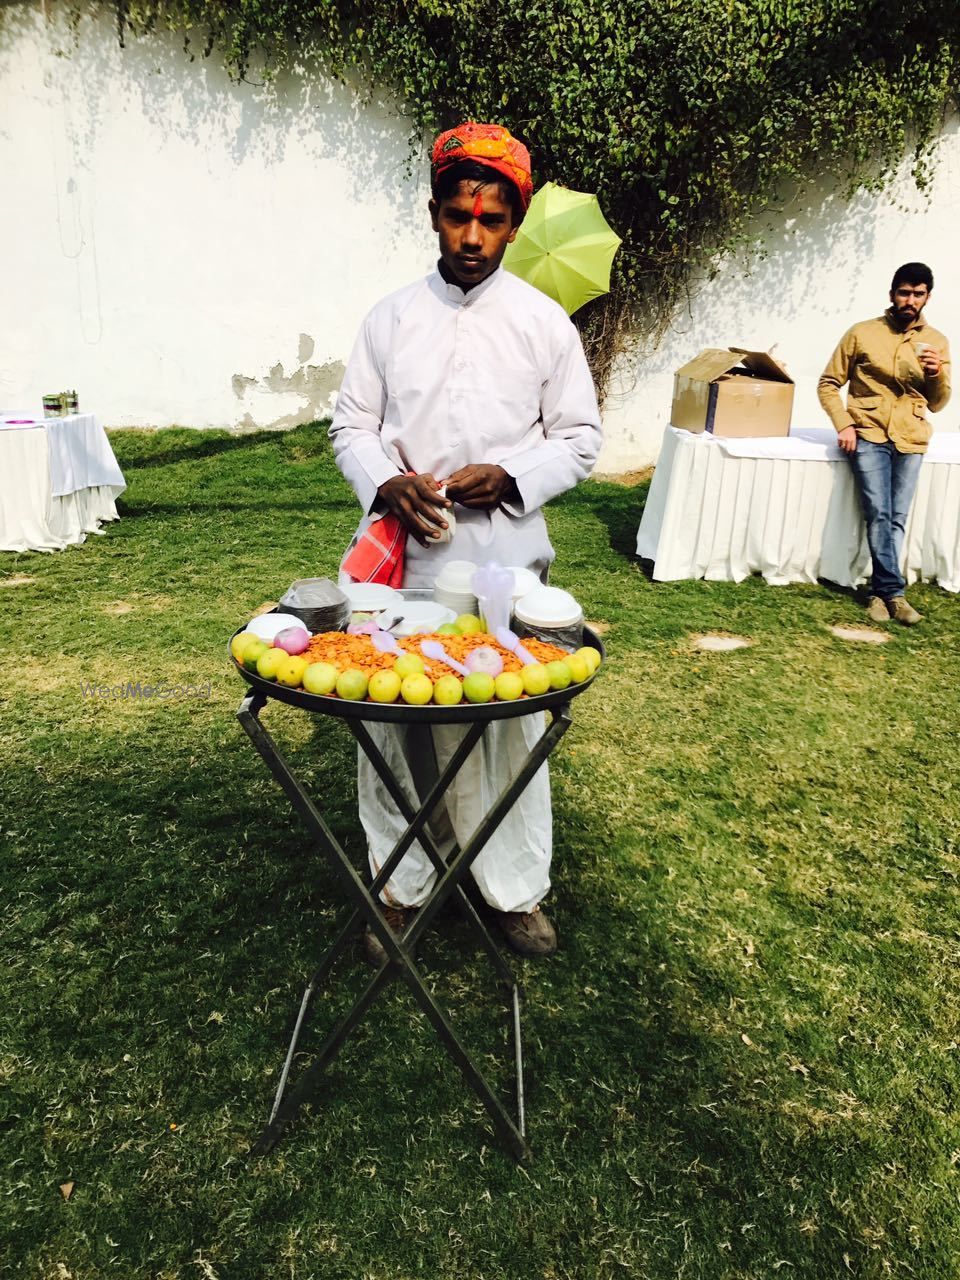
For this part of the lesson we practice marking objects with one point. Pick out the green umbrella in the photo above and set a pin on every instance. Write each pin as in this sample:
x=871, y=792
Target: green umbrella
x=564, y=247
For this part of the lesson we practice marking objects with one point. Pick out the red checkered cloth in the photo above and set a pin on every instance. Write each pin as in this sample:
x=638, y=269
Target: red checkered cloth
x=378, y=554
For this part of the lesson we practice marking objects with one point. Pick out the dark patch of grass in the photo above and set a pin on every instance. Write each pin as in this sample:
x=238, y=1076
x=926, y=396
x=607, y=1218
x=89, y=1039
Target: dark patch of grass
x=742, y=1062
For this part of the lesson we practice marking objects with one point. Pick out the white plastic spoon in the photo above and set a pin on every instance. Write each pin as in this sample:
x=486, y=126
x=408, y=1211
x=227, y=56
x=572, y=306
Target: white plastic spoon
x=509, y=641
x=434, y=649
x=385, y=643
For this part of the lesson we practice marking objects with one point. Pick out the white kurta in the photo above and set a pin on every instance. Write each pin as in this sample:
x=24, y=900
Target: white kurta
x=440, y=379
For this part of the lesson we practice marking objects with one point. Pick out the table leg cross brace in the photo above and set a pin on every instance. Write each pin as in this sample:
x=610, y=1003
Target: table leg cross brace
x=450, y=875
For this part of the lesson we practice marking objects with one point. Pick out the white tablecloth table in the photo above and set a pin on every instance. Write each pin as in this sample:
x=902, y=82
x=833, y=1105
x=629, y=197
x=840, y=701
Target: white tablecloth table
x=787, y=508
x=59, y=480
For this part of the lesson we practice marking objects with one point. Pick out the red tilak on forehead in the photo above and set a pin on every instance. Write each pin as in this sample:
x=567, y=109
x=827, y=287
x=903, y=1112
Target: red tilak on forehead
x=477, y=205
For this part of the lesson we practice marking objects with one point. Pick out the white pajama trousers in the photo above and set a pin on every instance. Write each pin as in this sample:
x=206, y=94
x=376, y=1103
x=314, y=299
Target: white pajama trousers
x=512, y=870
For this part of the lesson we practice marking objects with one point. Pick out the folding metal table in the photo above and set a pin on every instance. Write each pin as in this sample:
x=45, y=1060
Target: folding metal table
x=476, y=718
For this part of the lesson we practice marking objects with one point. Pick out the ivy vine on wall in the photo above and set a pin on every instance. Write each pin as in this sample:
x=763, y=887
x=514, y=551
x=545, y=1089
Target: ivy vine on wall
x=686, y=117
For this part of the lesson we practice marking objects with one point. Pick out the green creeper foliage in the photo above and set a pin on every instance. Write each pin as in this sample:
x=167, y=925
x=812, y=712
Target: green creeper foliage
x=686, y=117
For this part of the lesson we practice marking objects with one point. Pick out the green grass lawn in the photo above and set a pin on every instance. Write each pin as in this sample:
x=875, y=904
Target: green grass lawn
x=743, y=1061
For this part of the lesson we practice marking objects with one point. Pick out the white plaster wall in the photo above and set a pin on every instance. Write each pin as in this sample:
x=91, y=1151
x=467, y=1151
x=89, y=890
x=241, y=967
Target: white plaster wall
x=181, y=248
x=184, y=249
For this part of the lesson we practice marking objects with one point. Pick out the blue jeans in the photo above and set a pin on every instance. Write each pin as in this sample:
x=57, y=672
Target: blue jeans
x=886, y=480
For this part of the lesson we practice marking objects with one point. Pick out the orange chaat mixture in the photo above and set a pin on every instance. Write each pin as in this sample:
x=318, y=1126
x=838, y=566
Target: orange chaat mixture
x=343, y=651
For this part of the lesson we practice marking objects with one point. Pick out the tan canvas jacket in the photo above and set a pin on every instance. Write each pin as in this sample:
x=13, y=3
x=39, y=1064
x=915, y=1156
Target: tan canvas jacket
x=889, y=392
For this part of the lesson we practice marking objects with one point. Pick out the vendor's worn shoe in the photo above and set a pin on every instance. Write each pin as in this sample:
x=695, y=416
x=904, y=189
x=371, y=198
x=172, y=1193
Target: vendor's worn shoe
x=397, y=918
x=877, y=610
x=529, y=932
x=902, y=611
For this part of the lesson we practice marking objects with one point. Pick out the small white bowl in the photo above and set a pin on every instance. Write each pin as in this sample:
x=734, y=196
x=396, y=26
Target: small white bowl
x=420, y=617
x=524, y=581
x=371, y=597
x=269, y=625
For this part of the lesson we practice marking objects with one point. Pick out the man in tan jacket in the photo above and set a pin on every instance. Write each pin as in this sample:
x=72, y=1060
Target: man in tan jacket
x=898, y=367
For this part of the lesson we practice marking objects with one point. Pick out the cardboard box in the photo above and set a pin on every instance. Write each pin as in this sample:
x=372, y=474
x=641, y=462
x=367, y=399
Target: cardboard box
x=733, y=392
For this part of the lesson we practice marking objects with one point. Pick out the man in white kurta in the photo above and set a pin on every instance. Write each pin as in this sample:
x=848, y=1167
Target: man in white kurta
x=483, y=387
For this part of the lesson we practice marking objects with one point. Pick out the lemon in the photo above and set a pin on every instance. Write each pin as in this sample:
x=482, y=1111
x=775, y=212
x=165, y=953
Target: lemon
x=384, y=686
x=320, y=677
x=579, y=667
x=536, y=678
x=408, y=664
x=448, y=691
x=592, y=656
x=417, y=689
x=352, y=685
x=290, y=673
x=468, y=623
x=559, y=673
x=508, y=685
x=269, y=663
x=252, y=651
x=478, y=687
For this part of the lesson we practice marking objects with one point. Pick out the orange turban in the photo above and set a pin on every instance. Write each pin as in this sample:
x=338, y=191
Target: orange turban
x=488, y=144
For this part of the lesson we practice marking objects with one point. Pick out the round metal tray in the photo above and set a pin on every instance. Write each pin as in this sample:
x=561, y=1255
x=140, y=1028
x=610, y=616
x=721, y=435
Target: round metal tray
x=403, y=712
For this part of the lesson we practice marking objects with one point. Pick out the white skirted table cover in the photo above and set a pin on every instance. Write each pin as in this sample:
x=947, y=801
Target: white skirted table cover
x=787, y=508
x=59, y=480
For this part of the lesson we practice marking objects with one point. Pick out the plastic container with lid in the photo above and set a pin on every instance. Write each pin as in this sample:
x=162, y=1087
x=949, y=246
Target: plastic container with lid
x=550, y=614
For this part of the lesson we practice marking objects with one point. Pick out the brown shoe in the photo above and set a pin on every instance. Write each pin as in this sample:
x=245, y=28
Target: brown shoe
x=529, y=932
x=877, y=610
x=397, y=918
x=902, y=611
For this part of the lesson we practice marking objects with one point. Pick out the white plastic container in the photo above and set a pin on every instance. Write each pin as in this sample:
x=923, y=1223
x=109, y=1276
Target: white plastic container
x=551, y=614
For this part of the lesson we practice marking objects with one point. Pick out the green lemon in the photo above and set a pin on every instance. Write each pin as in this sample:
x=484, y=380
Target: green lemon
x=478, y=687
x=352, y=685
x=560, y=674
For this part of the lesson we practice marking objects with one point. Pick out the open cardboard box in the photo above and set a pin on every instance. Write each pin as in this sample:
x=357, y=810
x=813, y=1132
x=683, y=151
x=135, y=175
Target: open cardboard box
x=733, y=392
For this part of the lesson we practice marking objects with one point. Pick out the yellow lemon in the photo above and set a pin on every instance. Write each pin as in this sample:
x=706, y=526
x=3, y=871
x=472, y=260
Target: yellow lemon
x=269, y=663
x=384, y=686
x=416, y=689
x=408, y=664
x=579, y=667
x=468, y=623
x=536, y=678
x=290, y=673
x=320, y=677
x=508, y=686
x=592, y=656
x=448, y=691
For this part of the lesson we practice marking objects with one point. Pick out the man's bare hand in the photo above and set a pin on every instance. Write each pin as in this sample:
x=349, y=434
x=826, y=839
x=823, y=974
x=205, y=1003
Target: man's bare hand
x=847, y=439
x=930, y=362
x=481, y=487
x=417, y=502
